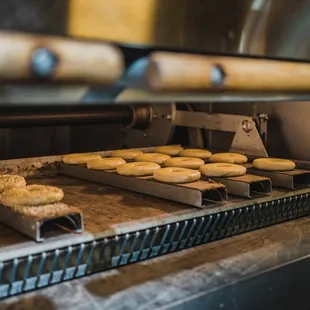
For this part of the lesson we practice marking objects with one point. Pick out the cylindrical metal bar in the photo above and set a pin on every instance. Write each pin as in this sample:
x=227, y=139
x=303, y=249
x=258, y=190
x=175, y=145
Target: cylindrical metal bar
x=20, y=117
x=188, y=72
x=25, y=57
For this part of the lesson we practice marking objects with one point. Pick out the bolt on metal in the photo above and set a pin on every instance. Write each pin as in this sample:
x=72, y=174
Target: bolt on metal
x=246, y=126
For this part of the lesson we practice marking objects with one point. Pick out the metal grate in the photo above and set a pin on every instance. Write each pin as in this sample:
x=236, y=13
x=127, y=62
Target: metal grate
x=35, y=271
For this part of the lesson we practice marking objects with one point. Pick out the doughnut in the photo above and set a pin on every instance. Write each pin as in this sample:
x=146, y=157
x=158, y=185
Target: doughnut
x=274, y=164
x=8, y=181
x=232, y=158
x=222, y=170
x=109, y=163
x=31, y=195
x=79, y=159
x=126, y=154
x=137, y=169
x=169, y=150
x=176, y=175
x=196, y=153
x=184, y=162
x=153, y=158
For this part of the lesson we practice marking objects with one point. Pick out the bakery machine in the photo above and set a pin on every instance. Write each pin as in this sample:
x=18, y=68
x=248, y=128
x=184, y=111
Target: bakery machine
x=238, y=91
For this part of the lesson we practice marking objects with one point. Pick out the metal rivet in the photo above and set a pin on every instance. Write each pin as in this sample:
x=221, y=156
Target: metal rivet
x=43, y=62
x=217, y=76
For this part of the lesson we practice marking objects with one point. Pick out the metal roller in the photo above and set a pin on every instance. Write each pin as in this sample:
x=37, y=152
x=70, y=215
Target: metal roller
x=25, y=57
x=137, y=117
x=187, y=72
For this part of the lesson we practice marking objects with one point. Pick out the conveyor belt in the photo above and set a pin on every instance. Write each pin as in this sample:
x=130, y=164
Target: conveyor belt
x=122, y=228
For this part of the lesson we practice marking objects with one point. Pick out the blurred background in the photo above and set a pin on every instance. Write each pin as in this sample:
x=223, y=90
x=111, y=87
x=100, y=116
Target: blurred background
x=265, y=28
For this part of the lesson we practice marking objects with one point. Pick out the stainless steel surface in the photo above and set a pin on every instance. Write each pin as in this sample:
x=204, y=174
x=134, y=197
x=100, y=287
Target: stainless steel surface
x=214, y=121
x=141, y=96
x=287, y=179
x=198, y=194
x=249, y=186
x=39, y=228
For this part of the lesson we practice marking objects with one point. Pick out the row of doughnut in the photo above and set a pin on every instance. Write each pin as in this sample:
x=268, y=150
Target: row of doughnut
x=174, y=164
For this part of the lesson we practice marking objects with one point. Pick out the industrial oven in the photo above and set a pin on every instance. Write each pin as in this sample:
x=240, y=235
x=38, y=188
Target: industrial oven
x=235, y=80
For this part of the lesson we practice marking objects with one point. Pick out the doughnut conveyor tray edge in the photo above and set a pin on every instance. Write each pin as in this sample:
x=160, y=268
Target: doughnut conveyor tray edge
x=199, y=194
x=38, y=227
x=248, y=186
x=296, y=178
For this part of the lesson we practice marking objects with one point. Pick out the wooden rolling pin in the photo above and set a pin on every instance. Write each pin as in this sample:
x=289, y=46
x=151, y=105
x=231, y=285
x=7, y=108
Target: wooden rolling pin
x=26, y=57
x=185, y=72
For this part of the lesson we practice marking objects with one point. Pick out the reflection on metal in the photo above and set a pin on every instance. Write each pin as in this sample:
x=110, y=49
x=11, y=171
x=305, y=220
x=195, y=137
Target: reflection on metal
x=38, y=228
x=43, y=95
x=198, y=194
x=138, y=96
x=253, y=37
x=287, y=179
x=214, y=121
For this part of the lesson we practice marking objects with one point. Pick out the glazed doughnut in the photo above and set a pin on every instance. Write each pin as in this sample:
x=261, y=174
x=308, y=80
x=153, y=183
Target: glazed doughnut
x=222, y=170
x=8, y=181
x=31, y=195
x=172, y=150
x=79, y=159
x=176, y=175
x=274, y=164
x=126, y=154
x=196, y=153
x=137, y=169
x=109, y=163
x=184, y=162
x=232, y=158
x=153, y=158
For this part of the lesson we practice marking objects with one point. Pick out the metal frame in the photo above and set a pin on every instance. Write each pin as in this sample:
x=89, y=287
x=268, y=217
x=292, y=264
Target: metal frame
x=48, y=267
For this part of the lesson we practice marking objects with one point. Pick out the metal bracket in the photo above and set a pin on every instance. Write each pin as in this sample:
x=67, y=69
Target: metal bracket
x=247, y=139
